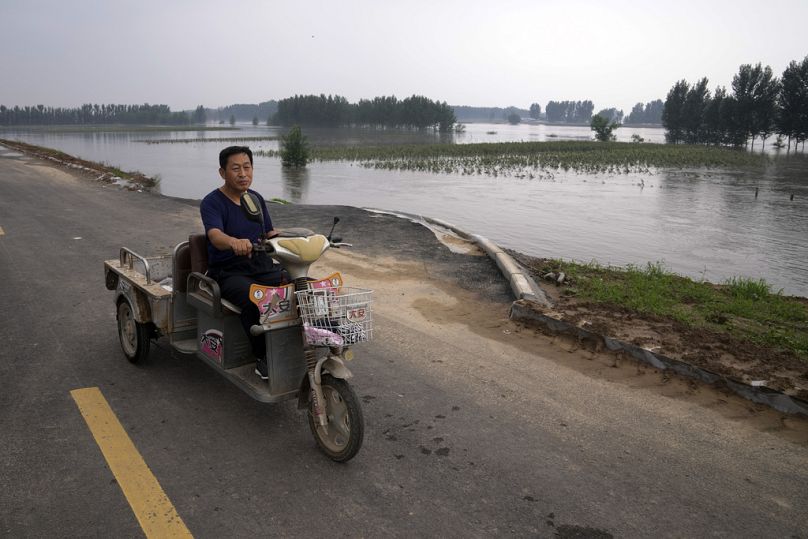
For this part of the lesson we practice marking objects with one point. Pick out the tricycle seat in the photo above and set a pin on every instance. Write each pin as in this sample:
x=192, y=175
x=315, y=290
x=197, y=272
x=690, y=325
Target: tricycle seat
x=202, y=292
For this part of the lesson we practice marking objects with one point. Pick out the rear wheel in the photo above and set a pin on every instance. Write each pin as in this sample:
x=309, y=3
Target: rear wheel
x=135, y=337
x=346, y=427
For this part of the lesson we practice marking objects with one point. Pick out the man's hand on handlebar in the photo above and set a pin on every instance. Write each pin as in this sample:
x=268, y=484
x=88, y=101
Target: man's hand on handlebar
x=241, y=247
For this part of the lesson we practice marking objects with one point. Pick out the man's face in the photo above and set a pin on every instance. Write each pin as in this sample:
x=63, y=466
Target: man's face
x=238, y=173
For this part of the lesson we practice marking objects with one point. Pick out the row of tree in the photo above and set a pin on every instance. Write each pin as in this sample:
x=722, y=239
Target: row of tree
x=243, y=112
x=611, y=115
x=571, y=112
x=759, y=105
x=650, y=113
x=581, y=112
x=89, y=114
x=387, y=111
x=465, y=113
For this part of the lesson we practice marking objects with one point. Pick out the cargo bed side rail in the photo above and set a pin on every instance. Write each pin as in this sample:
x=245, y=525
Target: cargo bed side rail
x=127, y=257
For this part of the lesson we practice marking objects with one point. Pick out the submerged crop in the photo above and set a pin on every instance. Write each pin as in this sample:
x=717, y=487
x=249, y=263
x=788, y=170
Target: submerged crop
x=531, y=159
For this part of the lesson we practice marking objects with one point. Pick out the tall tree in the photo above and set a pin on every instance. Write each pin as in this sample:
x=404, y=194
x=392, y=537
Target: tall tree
x=696, y=101
x=612, y=115
x=673, y=112
x=751, y=88
x=603, y=128
x=200, y=116
x=535, y=111
x=792, y=102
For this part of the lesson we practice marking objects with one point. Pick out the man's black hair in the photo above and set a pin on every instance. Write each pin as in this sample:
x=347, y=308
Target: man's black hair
x=225, y=154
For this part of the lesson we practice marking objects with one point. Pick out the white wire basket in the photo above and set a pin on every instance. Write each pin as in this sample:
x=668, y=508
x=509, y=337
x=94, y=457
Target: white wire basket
x=336, y=316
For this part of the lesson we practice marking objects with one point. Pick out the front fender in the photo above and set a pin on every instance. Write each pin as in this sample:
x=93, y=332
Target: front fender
x=333, y=365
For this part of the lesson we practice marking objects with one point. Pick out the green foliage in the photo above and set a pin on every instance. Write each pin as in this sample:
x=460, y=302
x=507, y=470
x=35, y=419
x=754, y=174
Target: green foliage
x=294, y=148
x=579, y=112
x=760, y=104
x=602, y=128
x=744, y=308
x=673, y=112
x=535, y=111
x=613, y=115
x=792, y=103
x=416, y=112
x=93, y=115
x=514, y=119
x=650, y=113
x=636, y=138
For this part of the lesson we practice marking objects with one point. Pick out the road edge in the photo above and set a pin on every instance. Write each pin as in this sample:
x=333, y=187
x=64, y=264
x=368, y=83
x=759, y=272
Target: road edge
x=530, y=299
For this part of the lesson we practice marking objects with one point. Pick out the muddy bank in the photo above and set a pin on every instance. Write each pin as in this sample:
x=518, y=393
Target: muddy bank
x=135, y=181
x=716, y=353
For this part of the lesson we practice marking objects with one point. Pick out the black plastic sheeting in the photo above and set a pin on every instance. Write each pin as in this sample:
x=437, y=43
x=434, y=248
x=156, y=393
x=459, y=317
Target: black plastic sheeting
x=521, y=310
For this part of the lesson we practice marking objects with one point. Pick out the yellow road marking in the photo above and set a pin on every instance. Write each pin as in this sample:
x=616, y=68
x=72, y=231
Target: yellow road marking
x=153, y=509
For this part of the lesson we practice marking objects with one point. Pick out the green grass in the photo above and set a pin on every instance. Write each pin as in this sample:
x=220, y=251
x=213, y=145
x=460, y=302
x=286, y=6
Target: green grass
x=530, y=159
x=746, y=309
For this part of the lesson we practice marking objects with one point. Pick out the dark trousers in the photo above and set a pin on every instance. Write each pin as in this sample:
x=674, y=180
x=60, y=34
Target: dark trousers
x=235, y=280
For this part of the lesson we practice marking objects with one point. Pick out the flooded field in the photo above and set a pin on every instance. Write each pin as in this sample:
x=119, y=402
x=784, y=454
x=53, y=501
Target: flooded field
x=710, y=223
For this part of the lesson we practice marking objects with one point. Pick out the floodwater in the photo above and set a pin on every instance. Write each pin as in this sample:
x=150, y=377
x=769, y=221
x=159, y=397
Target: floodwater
x=710, y=224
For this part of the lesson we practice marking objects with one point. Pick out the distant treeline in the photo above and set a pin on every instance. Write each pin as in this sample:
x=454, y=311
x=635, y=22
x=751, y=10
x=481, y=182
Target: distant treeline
x=412, y=112
x=650, y=113
x=243, y=112
x=571, y=112
x=760, y=105
x=416, y=112
x=565, y=112
x=92, y=114
x=487, y=114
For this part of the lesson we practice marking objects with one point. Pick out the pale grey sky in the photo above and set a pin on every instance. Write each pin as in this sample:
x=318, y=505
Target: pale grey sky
x=190, y=52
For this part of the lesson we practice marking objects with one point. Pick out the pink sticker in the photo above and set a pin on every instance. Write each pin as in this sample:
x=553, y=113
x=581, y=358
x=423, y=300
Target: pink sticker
x=212, y=344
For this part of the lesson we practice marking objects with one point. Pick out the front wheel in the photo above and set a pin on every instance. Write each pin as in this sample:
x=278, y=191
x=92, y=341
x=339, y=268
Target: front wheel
x=346, y=427
x=135, y=337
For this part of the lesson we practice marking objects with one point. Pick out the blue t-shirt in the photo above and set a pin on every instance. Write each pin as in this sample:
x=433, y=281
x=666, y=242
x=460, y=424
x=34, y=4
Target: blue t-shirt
x=220, y=212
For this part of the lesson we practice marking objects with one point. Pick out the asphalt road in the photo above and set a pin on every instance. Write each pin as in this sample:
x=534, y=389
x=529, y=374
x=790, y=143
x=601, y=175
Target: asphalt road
x=475, y=428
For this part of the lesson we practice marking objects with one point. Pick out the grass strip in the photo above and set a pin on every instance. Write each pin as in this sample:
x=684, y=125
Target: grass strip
x=746, y=309
x=110, y=174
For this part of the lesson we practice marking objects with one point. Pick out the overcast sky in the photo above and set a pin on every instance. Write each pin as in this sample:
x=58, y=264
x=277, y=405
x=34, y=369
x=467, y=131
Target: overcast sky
x=483, y=53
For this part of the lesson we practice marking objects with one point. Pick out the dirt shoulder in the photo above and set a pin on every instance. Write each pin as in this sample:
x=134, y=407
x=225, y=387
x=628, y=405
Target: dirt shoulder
x=715, y=352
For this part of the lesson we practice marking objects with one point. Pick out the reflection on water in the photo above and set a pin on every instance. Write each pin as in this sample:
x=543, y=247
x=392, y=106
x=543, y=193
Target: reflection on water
x=702, y=223
x=295, y=183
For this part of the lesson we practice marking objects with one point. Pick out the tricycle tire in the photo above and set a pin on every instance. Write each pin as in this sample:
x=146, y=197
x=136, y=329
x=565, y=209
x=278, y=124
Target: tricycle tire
x=346, y=426
x=135, y=337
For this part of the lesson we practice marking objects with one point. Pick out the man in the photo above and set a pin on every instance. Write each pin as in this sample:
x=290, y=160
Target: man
x=231, y=260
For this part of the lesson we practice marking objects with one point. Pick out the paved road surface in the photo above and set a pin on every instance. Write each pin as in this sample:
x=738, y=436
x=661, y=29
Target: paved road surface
x=475, y=427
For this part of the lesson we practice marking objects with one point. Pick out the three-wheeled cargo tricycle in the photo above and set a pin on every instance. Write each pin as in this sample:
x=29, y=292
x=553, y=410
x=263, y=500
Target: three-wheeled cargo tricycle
x=309, y=327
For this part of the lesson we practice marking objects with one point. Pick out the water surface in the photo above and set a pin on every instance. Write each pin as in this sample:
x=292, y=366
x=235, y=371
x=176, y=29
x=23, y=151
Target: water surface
x=702, y=223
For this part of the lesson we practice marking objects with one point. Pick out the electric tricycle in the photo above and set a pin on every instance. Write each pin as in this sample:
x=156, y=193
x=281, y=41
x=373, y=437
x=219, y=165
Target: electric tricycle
x=309, y=325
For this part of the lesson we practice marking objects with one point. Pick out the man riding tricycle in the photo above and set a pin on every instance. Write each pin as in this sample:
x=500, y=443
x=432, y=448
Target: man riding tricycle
x=240, y=298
